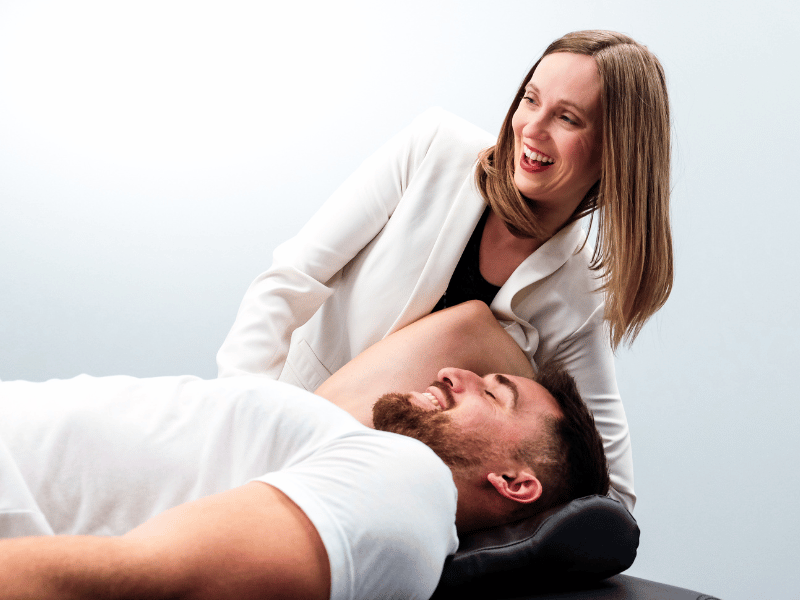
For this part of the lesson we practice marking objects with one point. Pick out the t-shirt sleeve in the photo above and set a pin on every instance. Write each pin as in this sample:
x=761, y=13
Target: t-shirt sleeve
x=384, y=506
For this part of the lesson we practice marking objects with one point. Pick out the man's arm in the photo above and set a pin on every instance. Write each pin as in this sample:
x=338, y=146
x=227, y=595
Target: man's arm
x=249, y=542
x=466, y=336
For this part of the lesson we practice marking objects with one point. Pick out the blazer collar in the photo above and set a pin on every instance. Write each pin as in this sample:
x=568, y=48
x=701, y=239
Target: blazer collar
x=548, y=258
x=454, y=234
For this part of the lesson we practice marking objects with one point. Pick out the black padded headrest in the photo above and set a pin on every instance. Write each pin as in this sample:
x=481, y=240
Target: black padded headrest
x=586, y=540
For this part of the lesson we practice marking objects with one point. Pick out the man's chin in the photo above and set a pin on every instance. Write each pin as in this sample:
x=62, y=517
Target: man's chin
x=396, y=414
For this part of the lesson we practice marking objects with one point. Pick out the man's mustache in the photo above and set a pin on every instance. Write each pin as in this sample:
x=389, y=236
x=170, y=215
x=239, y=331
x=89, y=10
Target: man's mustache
x=448, y=393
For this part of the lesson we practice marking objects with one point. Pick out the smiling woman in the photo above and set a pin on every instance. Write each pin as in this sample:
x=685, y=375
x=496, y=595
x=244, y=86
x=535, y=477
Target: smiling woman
x=631, y=193
x=445, y=213
x=557, y=135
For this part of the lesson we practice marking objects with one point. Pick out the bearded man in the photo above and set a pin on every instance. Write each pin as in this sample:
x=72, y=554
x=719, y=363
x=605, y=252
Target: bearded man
x=176, y=487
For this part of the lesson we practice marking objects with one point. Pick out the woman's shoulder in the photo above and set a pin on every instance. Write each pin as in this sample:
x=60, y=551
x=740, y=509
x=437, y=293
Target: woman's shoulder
x=442, y=128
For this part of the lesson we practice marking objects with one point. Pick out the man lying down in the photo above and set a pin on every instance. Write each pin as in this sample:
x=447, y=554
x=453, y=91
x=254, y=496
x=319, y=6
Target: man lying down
x=176, y=487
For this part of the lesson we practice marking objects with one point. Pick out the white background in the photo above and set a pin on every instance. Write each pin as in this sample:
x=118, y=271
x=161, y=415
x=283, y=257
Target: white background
x=153, y=153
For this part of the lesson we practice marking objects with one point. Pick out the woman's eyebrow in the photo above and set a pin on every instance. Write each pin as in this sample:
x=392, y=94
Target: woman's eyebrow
x=531, y=88
x=506, y=382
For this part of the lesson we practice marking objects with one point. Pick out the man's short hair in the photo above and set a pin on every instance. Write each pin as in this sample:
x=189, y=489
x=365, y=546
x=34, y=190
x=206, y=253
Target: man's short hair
x=568, y=459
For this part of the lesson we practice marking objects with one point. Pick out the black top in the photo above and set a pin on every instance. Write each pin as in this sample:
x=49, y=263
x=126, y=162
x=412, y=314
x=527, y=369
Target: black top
x=467, y=283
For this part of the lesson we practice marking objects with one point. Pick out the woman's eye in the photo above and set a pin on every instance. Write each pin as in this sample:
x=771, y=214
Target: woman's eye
x=568, y=120
x=491, y=395
x=529, y=100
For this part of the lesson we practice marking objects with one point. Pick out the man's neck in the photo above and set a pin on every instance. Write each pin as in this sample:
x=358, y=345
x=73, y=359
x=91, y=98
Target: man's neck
x=479, y=505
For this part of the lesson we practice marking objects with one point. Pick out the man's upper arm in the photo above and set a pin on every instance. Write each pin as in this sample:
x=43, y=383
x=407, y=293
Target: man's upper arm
x=249, y=542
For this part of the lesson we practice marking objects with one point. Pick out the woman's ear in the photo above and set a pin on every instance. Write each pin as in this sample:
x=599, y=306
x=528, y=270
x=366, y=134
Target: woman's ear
x=520, y=486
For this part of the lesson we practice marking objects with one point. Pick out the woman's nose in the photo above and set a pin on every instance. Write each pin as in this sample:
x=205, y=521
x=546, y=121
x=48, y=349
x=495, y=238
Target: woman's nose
x=536, y=126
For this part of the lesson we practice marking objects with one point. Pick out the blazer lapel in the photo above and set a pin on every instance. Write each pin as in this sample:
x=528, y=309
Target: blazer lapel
x=454, y=234
x=549, y=257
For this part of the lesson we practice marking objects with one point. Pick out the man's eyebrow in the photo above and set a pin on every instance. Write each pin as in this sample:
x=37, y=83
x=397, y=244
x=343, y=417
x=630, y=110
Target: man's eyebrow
x=505, y=381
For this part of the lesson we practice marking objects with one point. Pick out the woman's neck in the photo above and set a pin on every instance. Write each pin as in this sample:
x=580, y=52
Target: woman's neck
x=501, y=252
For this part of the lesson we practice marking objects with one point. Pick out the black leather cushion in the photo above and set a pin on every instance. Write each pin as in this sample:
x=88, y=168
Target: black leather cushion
x=586, y=540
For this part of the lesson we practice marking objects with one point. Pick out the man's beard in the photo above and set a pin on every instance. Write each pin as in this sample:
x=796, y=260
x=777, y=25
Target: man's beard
x=460, y=450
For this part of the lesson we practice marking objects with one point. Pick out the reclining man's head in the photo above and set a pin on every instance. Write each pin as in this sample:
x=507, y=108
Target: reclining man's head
x=516, y=446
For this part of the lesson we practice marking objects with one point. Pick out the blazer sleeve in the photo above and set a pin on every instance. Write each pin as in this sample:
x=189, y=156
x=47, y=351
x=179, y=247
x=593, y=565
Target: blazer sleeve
x=587, y=355
x=289, y=293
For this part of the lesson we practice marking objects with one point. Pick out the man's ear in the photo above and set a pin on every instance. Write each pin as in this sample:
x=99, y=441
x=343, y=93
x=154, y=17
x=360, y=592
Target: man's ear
x=520, y=486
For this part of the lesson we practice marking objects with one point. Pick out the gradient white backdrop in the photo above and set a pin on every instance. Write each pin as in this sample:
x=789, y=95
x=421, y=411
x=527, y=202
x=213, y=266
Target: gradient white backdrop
x=153, y=153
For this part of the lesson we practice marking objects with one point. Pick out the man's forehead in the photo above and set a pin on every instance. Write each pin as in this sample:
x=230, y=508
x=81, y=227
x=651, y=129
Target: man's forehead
x=531, y=396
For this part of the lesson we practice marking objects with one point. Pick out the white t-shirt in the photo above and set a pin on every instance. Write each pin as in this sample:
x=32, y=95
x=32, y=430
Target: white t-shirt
x=102, y=455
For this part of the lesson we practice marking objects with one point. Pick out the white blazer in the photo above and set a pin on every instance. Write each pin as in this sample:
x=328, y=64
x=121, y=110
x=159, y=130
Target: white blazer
x=379, y=254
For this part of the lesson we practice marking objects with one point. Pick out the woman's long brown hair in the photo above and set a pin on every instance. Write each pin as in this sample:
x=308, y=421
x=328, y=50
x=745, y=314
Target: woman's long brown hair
x=633, y=255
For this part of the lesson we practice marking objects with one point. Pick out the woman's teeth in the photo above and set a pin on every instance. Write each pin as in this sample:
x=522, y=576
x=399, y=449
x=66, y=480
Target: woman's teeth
x=536, y=156
x=433, y=399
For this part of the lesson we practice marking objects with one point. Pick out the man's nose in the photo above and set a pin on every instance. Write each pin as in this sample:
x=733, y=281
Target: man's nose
x=458, y=380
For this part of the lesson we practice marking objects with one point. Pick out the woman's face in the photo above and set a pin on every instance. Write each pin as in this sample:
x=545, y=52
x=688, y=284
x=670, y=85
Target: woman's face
x=557, y=128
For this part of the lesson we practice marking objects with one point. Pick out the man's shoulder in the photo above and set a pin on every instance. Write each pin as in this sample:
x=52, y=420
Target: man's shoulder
x=261, y=404
x=401, y=447
x=408, y=463
x=259, y=388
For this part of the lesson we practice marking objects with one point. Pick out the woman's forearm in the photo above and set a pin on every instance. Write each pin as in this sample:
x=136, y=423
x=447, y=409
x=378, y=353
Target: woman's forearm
x=290, y=292
x=466, y=336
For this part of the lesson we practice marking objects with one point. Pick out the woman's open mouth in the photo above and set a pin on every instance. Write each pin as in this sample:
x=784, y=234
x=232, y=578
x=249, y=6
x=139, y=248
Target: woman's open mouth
x=534, y=161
